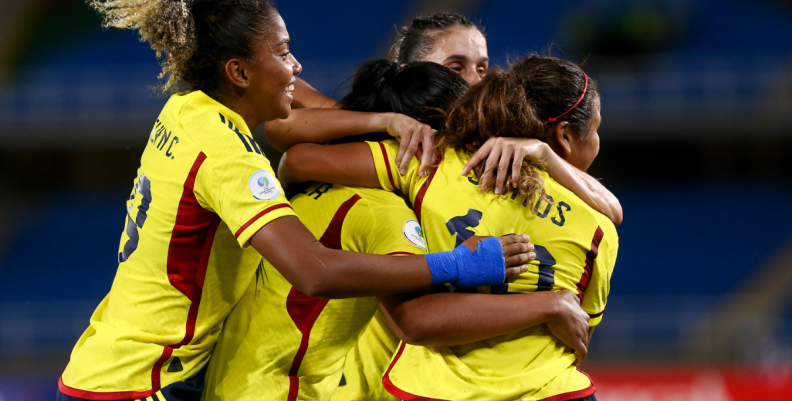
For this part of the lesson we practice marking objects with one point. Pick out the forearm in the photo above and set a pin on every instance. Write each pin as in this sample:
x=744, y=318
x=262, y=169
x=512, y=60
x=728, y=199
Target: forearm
x=347, y=164
x=328, y=273
x=306, y=96
x=449, y=319
x=584, y=186
x=320, y=125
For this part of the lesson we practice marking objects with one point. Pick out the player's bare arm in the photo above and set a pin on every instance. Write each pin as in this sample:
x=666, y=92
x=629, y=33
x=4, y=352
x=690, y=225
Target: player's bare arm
x=328, y=273
x=347, y=164
x=306, y=96
x=501, y=153
x=449, y=319
x=319, y=125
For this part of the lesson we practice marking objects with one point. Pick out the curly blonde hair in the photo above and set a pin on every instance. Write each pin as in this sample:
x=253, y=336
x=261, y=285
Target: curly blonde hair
x=194, y=36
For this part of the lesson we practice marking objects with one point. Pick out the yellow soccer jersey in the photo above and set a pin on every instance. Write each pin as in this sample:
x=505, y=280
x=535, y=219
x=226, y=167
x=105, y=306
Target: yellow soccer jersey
x=367, y=361
x=203, y=189
x=279, y=344
x=576, y=250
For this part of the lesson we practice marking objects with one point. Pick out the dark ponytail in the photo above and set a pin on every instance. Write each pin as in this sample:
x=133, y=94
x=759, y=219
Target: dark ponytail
x=417, y=39
x=424, y=90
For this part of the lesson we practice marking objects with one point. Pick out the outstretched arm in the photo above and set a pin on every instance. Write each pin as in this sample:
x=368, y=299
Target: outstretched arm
x=501, y=153
x=347, y=164
x=320, y=125
x=329, y=273
x=449, y=319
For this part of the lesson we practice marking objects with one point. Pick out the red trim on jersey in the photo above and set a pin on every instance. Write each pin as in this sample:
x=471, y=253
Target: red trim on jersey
x=401, y=253
x=422, y=192
x=397, y=392
x=595, y=315
x=258, y=216
x=188, y=256
x=387, y=164
x=304, y=310
x=590, y=256
x=90, y=395
x=403, y=395
x=574, y=395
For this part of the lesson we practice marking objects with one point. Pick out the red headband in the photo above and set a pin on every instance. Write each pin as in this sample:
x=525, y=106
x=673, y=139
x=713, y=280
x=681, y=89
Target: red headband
x=553, y=119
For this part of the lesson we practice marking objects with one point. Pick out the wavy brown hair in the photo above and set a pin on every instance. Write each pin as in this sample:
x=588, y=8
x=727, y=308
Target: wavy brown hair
x=194, y=37
x=514, y=103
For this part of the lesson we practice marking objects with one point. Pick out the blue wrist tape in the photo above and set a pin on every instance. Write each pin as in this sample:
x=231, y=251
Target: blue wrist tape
x=461, y=268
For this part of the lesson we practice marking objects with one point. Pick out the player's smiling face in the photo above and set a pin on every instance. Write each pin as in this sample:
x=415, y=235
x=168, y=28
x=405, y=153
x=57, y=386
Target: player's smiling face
x=463, y=50
x=273, y=71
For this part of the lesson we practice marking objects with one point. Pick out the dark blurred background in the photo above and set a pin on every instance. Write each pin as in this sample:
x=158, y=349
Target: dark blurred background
x=696, y=140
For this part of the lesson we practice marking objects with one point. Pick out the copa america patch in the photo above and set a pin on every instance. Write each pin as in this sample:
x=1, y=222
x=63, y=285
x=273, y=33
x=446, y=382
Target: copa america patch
x=263, y=185
x=412, y=231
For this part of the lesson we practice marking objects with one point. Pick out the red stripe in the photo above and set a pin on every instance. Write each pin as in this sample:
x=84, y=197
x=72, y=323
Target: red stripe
x=397, y=392
x=258, y=216
x=188, y=256
x=387, y=164
x=419, y=198
x=574, y=395
x=595, y=315
x=590, y=256
x=90, y=395
x=304, y=310
x=403, y=395
x=401, y=253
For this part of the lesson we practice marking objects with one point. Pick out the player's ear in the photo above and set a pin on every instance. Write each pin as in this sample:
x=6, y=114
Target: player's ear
x=563, y=133
x=235, y=70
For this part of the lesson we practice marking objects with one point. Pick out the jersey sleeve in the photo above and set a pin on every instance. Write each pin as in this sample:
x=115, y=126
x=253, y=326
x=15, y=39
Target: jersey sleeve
x=384, y=154
x=386, y=230
x=596, y=294
x=242, y=189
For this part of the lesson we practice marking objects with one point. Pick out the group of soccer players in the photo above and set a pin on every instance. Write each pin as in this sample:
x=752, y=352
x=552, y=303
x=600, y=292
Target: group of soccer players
x=223, y=293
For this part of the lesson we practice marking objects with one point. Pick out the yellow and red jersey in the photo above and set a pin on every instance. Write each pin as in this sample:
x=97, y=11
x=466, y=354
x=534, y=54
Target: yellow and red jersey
x=204, y=188
x=280, y=344
x=576, y=249
x=367, y=361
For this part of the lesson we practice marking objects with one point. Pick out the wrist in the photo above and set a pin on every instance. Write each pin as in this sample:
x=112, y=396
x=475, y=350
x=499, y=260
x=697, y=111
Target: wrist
x=382, y=122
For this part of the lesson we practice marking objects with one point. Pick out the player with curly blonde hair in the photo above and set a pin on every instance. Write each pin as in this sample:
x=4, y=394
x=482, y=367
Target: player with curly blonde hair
x=206, y=207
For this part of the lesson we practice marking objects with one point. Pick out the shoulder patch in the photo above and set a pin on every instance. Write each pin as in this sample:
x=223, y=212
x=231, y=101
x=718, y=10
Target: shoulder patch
x=412, y=231
x=263, y=186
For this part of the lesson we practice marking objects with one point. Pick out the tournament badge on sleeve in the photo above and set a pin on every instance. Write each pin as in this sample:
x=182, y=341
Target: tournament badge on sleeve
x=412, y=231
x=263, y=185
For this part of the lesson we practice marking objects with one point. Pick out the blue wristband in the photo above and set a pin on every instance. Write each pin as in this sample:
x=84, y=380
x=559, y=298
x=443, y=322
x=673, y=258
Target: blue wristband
x=461, y=268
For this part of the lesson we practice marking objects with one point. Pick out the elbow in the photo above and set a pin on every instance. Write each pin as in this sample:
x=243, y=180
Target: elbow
x=316, y=288
x=616, y=214
x=273, y=131
x=413, y=332
x=290, y=164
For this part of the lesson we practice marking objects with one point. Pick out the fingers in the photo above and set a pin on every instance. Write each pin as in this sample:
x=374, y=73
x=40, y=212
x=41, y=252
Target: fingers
x=404, y=140
x=412, y=148
x=480, y=155
x=516, y=271
x=581, y=352
x=510, y=239
x=503, y=168
x=489, y=166
x=519, y=155
x=427, y=142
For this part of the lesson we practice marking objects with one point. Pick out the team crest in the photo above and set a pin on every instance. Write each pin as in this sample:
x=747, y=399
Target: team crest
x=414, y=234
x=263, y=185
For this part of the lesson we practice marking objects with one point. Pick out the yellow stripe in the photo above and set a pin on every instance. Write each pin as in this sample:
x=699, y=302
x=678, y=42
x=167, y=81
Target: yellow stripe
x=161, y=397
